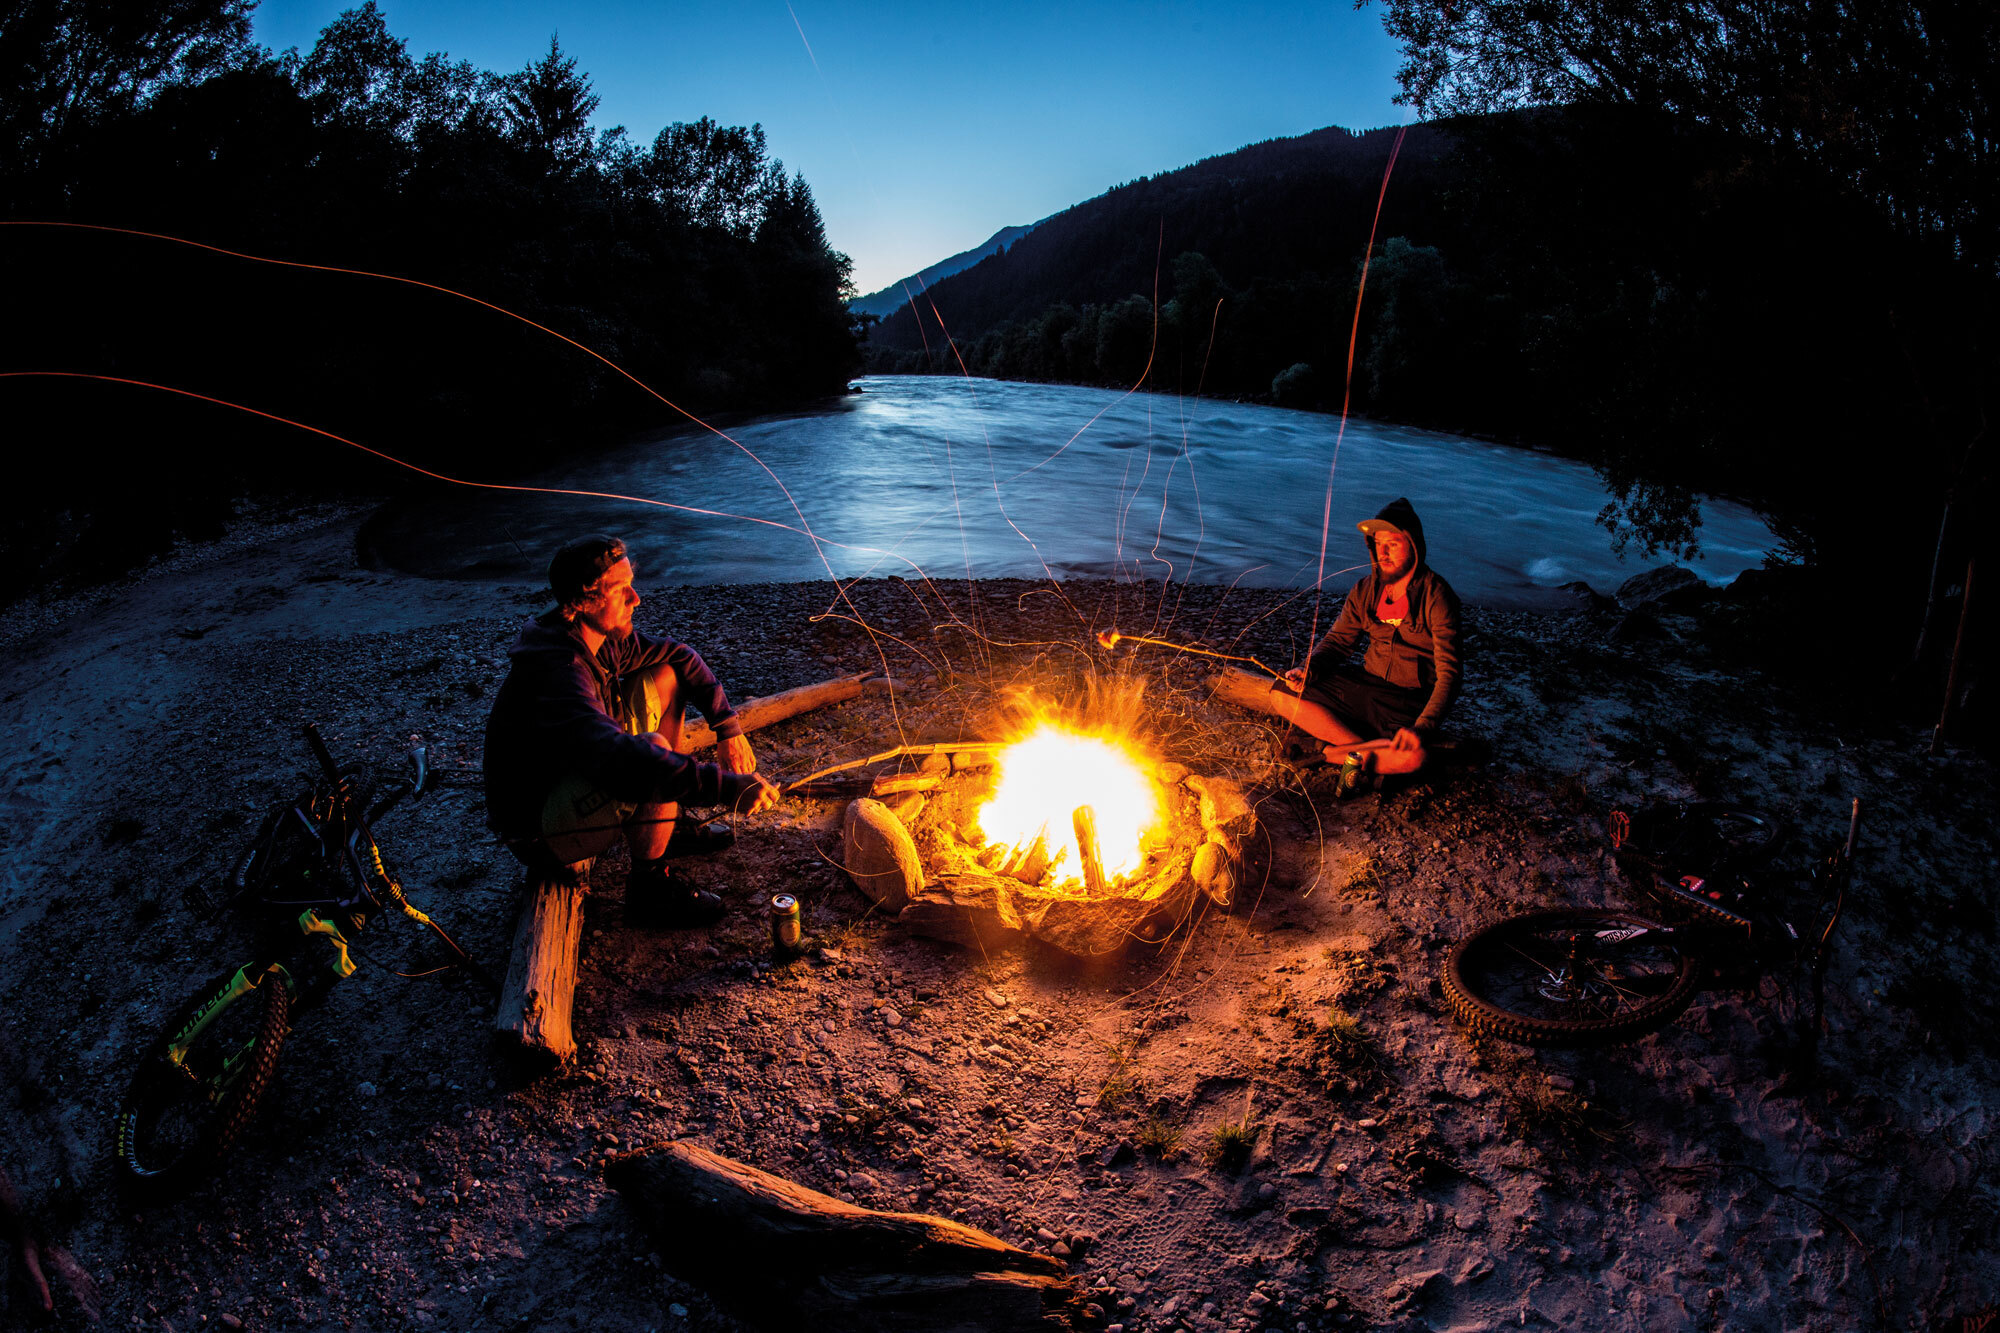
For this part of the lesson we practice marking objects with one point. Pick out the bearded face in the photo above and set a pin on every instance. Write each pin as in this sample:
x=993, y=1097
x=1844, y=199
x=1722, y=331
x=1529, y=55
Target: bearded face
x=1395, y=554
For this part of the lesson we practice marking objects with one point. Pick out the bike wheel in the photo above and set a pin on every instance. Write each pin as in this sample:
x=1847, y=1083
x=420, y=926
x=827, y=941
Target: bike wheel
x=1569, y=978
x=180, y=1117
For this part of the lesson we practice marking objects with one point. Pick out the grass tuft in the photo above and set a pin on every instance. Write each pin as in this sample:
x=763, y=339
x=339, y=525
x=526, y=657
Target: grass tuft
x=1229, y=1145
x=1159, y=1138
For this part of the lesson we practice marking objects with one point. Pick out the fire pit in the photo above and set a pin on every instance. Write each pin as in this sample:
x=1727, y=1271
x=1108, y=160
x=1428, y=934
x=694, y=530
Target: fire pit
x=1075, y=837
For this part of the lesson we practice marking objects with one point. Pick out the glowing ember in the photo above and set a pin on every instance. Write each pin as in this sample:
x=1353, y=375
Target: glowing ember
x=1047, y=775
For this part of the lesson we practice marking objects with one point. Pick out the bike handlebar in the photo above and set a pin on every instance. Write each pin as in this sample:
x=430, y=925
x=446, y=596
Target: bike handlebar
x=325, y=756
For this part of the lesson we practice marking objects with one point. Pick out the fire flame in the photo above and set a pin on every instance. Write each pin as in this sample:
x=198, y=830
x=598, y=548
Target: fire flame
x=1047, y=774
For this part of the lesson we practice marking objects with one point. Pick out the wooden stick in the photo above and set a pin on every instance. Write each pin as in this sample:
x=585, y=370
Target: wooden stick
x=541, y=978
x=777, y=707
x=1085, y=820
x=896, y=784
x=940, y=747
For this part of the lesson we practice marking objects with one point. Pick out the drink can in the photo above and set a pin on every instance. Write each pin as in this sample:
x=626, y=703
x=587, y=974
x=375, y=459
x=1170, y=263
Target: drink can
x=785, y=933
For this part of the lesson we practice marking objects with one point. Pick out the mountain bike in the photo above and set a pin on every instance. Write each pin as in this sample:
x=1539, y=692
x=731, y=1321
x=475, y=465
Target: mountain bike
x=1587, y=977
x=314, y=876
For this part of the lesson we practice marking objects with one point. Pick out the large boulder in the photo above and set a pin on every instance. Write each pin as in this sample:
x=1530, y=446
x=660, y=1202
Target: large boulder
x=1669, y=588
x=879, y=856
x=977, y=911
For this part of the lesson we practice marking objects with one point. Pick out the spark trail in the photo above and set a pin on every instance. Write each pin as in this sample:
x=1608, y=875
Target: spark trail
x=1347, y=389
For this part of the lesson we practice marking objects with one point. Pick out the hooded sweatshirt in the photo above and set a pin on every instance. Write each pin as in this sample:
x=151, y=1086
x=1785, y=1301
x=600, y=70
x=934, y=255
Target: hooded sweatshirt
x=554, y=717
x=1419, y=654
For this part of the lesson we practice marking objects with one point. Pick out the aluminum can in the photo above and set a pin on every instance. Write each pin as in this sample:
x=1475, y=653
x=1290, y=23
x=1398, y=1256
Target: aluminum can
x=785, y=933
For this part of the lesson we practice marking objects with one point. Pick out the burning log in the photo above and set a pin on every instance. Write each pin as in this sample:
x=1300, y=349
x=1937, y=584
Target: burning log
x=1085, y=820
x=541, y=977
x=1031, y=862
x=777, y=707
x=800, y=1258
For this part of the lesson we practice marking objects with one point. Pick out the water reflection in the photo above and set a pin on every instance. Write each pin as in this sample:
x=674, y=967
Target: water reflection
x=985, y=478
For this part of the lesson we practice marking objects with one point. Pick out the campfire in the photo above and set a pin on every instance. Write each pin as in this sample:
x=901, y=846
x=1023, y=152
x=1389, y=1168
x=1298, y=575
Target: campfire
x=1069, y=801
x=1070, y=833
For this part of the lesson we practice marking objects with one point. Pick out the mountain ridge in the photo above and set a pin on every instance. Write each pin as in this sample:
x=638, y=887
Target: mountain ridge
x=891, y=298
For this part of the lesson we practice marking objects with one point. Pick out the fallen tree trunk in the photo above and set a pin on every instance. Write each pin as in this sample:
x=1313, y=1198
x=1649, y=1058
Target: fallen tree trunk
x=1235, y=686
x=535, y=1002
x=796, y=1255
x=777, y=707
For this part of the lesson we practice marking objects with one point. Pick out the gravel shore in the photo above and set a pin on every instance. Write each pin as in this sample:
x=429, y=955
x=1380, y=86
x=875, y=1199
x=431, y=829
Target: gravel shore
x=1395, y=1174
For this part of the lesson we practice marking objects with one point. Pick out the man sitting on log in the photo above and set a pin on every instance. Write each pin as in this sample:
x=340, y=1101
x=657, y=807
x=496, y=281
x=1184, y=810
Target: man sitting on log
x=1376, y=717
x=583, y=744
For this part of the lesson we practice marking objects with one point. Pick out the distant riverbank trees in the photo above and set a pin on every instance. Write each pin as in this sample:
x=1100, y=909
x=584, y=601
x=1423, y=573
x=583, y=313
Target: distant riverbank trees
x=693, y=260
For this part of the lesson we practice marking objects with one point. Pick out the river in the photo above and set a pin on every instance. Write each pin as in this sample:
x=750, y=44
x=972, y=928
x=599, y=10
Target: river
x=952, y=477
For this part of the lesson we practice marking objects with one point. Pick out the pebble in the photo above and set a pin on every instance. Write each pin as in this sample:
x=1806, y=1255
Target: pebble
x=996, y=999
x=892, y=1018
x=365, y=1089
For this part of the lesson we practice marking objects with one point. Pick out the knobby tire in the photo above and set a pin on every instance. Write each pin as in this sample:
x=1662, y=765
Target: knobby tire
x=148, y=1166
x=1513, y=980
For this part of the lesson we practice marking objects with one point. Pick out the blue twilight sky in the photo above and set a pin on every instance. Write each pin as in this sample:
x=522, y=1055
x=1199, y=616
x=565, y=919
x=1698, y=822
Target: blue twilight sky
x=927, y=127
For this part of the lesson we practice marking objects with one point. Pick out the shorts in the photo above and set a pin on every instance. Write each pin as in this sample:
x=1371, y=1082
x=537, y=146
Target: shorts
x=579, y=819
x=1366, y=705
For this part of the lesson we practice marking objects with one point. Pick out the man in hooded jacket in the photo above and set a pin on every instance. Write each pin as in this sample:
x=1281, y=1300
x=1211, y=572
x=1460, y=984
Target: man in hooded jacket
x=1377, y=715
x=582, y=746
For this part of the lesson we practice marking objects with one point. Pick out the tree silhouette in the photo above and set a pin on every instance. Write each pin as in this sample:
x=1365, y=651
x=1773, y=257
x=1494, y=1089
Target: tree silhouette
x=548, y=107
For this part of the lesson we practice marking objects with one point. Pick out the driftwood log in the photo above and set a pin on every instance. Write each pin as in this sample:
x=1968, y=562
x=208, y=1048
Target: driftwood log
x=777, y=707
x=1246, y=690
x=798, y=1258
x=541, y=977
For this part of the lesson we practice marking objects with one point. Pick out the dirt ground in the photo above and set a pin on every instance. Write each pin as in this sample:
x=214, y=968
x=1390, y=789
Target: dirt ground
x=1269, y=1121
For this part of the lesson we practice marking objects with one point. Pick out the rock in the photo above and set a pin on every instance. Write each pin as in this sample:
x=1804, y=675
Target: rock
x=1170, y=773
x=977, y=911
x=907, y=806
x=996, y=999
x=1587, y=597
x=1215, y=872
x=1655, y=584
x=1226, y=815
x=1101, y=928
x=365, y=1089
x=1410, y=1287
x=879, y=856
x=1639, y=625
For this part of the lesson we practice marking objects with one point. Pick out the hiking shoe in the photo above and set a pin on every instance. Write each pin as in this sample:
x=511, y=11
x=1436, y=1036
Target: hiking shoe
x=694, y=838
x=657, y=900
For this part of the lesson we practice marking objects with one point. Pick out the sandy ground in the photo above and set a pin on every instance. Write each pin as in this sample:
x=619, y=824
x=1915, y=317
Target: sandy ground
x=404, y=1176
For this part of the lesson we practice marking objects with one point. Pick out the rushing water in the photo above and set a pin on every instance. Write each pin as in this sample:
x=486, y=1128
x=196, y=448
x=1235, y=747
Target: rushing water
x=954, y=476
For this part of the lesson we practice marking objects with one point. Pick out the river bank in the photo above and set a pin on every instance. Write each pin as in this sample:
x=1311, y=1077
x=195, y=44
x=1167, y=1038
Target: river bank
x=405, y=1177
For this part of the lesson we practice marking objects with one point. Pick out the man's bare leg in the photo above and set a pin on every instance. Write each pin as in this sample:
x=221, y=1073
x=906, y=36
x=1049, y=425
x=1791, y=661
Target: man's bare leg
x=650, y=829
x=1318, y=723
x=1340, y=741
x=657, y=708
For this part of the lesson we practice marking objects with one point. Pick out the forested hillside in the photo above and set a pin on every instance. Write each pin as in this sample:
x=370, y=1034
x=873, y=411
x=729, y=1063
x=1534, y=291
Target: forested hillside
x=1655, y=296
x=691, y=258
